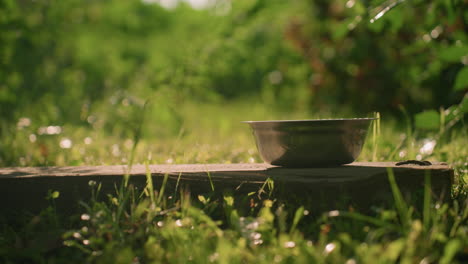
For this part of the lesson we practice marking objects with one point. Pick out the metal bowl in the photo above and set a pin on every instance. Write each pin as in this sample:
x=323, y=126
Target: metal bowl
x=310, y=143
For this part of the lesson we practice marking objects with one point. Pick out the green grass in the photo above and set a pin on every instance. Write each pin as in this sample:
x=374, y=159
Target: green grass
x=160, y=225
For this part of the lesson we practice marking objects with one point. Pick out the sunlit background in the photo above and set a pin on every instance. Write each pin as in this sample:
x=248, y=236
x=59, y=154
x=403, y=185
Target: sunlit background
x=82, y=82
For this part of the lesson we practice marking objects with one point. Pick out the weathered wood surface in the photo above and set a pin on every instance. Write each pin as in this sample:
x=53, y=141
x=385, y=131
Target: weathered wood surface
x=359, y=184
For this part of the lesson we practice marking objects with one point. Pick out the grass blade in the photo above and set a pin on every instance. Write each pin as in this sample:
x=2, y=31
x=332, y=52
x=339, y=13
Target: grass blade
x=177, y=184
x=363, y=218
x=375, y=135
x=271, y=185
x=136, y=140
x=163, y=187
x=211, y=182
x=297, y=217
x=149, y=183
x=427, y=200
x=400, y=204
x=409, y=133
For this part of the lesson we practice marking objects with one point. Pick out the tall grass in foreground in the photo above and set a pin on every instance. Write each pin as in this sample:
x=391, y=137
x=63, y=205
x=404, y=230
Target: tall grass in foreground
x=154, y=227
x=179, y=230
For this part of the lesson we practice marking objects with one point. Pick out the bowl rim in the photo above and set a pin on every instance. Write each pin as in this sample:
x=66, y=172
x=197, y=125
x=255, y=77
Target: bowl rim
x=312, y=120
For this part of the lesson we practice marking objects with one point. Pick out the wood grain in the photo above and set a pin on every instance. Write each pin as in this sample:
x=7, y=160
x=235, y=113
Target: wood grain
x=360, y=184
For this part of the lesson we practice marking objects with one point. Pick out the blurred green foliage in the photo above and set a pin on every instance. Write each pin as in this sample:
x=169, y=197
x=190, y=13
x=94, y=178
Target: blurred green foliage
x=62, y=61
x=381, y=54
x=60, y=56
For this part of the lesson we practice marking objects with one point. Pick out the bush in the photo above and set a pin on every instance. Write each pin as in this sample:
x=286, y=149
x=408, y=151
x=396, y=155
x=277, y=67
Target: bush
x=59, y=59
x=384, y=53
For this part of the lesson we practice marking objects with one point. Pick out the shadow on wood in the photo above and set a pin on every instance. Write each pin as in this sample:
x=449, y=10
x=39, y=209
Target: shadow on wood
x=360, y=185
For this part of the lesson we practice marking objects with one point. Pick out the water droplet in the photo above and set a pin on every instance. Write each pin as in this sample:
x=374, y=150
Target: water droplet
x=77, y=235
x=251, y=160
x=23, y=122
x=86, y=242
x=436, y=32
x=402, y=154
x=213, y=257
x=350, y=3
x=54, y=130
x=85, y=217
x=49, y=130
x=426, y=38
x=32, y=138
x=178, y=223
x=252, y=225
x=91, y=119
x=66, y=143
x=88, y=140
x=464, y=60
x=334, y=213
x=329, y=248
x=350, y=261
x=257, y=242
x=255, y=235
x=289, y=244
x=167, y=4
x=115, y=150
x=275, y=77
x=160, y=223
x=428, y=147
x=101, y=213
x=306, y=212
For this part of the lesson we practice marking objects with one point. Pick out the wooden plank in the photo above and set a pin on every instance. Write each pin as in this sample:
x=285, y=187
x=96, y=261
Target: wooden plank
x=360, y=184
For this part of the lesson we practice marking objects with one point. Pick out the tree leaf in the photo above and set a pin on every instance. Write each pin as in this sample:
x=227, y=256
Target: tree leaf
x=461, y=82
x=427, y=120
x=457, y=111
x=463, y=105
x=453, y=53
